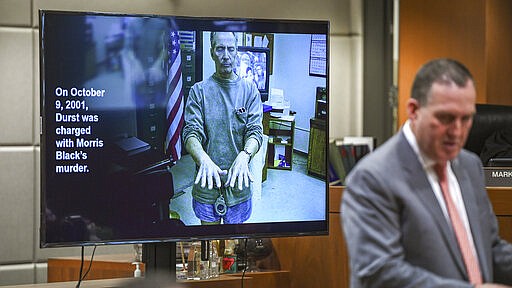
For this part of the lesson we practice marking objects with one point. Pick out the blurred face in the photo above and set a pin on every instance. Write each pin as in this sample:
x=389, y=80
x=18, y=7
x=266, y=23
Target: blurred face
x=224, y=54
x=442, y=125
x=245, y=59
x=249, y=75
x=259, y=70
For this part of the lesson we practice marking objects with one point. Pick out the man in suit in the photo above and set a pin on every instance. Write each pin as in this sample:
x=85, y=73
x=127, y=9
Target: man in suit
x=415, y=211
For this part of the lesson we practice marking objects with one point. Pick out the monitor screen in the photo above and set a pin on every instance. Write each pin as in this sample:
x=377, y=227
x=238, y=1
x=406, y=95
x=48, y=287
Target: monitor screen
x=253, y=65
x=135, y=107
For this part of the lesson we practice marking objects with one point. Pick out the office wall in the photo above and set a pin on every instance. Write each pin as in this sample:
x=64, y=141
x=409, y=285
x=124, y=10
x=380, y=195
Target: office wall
x=21, y=259
x=290, y=74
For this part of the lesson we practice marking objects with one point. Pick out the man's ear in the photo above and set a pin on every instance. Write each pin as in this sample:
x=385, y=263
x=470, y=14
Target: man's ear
x=412, y=108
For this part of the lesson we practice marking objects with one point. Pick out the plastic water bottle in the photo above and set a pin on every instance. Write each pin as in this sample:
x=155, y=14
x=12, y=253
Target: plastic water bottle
x=214, y=259
x=194, y=261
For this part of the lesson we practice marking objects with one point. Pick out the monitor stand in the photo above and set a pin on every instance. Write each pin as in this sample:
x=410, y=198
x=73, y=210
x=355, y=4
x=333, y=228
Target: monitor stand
x=159, y=259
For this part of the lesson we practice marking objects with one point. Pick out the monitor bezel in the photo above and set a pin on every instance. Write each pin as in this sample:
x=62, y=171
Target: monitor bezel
x=252, y=230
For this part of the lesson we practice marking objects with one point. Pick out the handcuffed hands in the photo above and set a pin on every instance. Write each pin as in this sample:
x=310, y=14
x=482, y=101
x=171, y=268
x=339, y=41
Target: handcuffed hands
x=209, y=173
x=239, y=171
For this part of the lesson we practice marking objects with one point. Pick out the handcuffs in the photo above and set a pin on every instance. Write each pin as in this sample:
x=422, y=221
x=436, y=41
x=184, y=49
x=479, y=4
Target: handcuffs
x=220, y=204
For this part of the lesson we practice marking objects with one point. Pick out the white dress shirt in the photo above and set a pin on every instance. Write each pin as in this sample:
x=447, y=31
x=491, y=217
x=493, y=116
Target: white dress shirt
x=453, y=184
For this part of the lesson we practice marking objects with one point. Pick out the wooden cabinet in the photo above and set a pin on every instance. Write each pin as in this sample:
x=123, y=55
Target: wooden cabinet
x=317, y=147
x=280, y=142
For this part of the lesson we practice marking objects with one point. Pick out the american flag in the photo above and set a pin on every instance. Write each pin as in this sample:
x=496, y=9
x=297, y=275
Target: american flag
x=174, y=109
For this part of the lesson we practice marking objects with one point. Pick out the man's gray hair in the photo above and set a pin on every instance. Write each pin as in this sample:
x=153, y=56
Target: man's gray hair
x=214, y=33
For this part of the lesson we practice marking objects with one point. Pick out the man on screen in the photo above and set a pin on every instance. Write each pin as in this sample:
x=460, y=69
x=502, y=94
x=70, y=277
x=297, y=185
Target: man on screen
x=416, y=212
x=223, y=129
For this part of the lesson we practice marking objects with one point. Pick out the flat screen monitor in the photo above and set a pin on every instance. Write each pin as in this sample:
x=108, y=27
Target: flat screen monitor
x=116, y=90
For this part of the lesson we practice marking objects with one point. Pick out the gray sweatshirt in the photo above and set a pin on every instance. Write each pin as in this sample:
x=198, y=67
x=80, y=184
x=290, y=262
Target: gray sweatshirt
x=222, y=114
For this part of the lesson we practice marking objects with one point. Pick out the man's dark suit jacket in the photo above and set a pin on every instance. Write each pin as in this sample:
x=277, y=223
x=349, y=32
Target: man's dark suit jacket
x=396, y=233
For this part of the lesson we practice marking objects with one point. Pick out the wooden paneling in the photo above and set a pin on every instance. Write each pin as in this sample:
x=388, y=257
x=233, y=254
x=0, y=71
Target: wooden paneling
x=499, y=47
x=505, y=224
x=335, y=193
x=119, y=266
x=474, y=32
x=277, y=279
x=317, y=261
x=322, y=261
x=312, y=261
x=103, y=267
x=224, y=281
x=501, y=199
x=437, y=28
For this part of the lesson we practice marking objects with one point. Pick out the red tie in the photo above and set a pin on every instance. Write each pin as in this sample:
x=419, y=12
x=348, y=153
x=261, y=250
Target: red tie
x=471, y=262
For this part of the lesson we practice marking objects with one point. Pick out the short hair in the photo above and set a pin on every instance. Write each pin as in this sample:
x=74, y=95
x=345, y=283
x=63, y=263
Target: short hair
x=214, y=33
x=441, y=71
